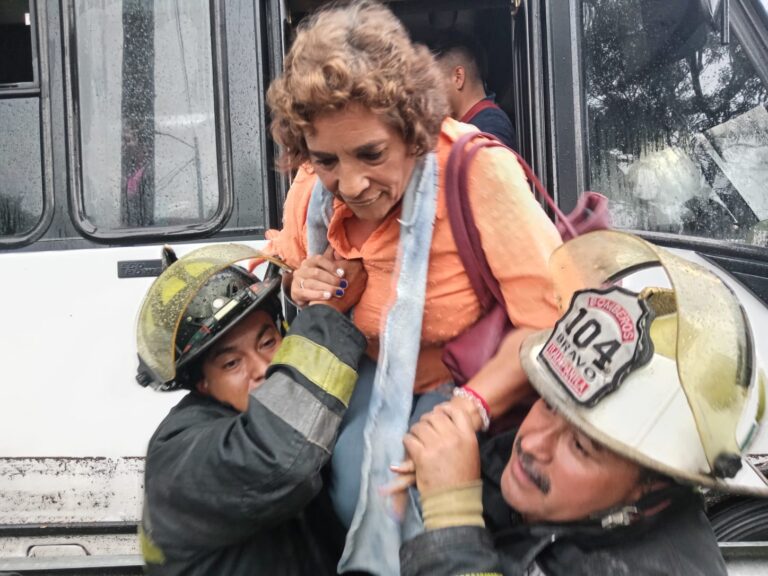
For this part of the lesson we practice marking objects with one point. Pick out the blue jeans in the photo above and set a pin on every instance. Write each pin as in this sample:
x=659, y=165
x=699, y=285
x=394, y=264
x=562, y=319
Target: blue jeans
x=347, y=458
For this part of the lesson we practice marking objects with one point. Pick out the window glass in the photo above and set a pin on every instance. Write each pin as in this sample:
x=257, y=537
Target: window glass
x=21, y=177
x=146, y=102
x=677, y=120
x=15, y=43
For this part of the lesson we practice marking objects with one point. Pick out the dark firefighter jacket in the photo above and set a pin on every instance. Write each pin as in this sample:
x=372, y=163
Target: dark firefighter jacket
x=229, y=493
x=675, y=542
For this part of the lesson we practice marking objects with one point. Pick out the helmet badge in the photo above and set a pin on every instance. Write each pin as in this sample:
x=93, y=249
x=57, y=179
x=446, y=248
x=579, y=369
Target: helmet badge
x=603, y=336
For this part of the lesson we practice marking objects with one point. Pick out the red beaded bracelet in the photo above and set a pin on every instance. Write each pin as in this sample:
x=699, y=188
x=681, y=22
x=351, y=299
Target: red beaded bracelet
x=480, y=398
x=479, y=403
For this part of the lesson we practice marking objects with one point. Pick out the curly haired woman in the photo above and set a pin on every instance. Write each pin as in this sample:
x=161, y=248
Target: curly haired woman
x=360, y=113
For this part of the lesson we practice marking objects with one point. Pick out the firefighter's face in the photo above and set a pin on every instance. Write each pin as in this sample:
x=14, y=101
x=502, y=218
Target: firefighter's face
x=237, y=363
x=558, y=474
x=361, y=160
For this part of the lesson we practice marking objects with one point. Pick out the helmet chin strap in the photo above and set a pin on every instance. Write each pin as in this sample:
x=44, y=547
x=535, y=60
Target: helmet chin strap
x=650, y=504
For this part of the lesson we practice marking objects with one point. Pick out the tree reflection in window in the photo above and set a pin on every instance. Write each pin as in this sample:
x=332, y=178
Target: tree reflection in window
x=662, y=90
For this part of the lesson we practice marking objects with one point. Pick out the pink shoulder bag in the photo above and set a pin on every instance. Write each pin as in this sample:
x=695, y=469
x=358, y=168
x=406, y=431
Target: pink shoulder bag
x=471, y=350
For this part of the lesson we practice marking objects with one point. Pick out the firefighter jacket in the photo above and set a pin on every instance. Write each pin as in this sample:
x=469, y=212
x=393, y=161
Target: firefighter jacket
x=677, y=541
x=230, y=493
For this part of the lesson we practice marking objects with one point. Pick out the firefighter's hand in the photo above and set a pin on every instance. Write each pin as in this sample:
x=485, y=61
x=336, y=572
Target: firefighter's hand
x=444, y=449
x=330, y=280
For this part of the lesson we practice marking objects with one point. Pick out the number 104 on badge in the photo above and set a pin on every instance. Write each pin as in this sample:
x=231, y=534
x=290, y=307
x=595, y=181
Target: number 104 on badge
x=600, y=339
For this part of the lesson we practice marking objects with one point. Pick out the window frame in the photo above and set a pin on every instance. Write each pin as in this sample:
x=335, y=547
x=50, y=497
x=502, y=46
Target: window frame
x=77, y=211
x=41, y=89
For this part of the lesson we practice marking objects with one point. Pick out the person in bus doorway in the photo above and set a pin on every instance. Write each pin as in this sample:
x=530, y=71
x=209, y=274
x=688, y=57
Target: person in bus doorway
x=361, y=113
x=601, y=476
x=461, y=63
x=233, y=472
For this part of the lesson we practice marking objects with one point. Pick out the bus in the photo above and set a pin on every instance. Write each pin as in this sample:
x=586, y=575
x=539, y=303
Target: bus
x=129, y=124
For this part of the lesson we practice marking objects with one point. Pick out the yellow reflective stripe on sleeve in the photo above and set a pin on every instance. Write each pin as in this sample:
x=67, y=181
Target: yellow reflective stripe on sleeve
x=149, y=550
x=318, y=365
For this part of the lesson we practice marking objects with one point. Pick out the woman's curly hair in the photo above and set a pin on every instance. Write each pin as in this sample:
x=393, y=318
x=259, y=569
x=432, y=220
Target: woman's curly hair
x=356, y=53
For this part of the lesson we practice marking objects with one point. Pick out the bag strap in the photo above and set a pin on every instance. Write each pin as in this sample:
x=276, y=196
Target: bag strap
x=483, y=104
x=463, y=225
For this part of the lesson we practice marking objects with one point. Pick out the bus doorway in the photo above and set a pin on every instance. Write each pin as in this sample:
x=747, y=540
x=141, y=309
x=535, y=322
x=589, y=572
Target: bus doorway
x=658, y=104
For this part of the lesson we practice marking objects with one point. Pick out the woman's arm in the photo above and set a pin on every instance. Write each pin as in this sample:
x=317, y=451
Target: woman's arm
x=502, y=383
x=518, y=239
x=290, y=242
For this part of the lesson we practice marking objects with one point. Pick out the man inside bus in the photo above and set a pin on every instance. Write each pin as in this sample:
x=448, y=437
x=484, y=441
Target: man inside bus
x=460, y=59
x=233, y=472
x=600, y=476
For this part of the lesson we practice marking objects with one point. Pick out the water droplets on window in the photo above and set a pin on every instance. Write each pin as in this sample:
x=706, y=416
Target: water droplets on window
x=677, y=121
x=21, y=179
x=147, y=124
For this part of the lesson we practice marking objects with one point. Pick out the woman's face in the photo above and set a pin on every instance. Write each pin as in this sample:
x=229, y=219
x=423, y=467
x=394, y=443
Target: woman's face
x=362, y=160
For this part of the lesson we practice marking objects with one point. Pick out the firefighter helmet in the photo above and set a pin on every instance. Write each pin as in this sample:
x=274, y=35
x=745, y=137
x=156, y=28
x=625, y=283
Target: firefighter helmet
x=666, y=376
x=195, y=301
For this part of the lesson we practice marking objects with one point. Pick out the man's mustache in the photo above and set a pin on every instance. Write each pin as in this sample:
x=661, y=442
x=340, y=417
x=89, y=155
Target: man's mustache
x=526, y=463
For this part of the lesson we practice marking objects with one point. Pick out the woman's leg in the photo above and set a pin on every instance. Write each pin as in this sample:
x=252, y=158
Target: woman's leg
x=347, y=458
x=424, y=403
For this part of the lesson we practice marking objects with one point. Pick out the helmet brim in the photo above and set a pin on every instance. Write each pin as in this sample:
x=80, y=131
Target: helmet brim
x=265, y=290
x=747, y=481
x=166, y=303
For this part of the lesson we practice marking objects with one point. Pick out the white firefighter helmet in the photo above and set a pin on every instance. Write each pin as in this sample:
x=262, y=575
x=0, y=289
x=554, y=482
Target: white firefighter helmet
x=668, y=378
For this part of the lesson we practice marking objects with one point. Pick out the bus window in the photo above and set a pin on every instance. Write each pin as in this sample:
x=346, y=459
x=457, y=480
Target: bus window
x=16, y=51
x=147, y=125
x=21, y=180
x=677, y=120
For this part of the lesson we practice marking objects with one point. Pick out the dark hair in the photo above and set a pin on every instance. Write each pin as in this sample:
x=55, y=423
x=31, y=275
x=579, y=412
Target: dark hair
x=455, y=48
x=649, y=477
x=190, y=375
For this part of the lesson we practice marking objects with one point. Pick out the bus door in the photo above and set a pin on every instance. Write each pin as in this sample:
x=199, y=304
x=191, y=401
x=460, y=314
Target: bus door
x=124, y=125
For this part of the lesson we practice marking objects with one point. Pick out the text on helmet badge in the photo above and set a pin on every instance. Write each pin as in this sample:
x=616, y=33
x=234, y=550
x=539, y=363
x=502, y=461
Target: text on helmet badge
x=602, y=337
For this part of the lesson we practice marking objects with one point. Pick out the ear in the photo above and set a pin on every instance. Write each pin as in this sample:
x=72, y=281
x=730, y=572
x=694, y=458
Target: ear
x=644, y=487
x=636, y=493
x=202, y=387
x=459, y=77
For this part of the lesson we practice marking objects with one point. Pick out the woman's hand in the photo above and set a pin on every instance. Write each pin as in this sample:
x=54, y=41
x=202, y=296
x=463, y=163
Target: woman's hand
x=356, y=279
x=330, y=280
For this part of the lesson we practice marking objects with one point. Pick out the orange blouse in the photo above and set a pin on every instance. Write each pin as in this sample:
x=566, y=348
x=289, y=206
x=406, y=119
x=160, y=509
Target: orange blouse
x=516, y=235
